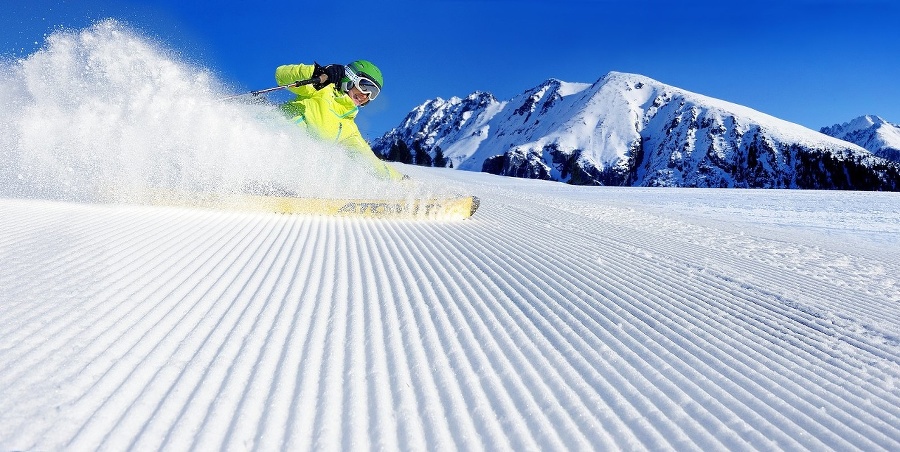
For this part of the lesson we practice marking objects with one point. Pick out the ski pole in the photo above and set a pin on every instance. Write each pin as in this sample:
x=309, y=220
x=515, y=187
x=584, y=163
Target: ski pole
x=298, y=83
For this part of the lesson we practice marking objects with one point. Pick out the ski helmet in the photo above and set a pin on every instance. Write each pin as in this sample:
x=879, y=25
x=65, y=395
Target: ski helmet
x=365, y=76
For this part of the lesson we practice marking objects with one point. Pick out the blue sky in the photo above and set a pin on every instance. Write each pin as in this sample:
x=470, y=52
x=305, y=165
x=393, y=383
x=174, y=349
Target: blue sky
x=813, y=62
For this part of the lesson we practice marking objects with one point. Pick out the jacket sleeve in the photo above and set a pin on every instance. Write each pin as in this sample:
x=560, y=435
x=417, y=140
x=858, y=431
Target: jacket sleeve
x=362, y=149
x=290, y=73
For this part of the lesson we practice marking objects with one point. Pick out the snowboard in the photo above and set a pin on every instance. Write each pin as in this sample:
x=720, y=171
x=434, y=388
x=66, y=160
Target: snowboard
x=438, y=208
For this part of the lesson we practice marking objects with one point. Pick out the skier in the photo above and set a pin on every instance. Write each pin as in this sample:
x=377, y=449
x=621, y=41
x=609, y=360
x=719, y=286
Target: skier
x=327, y=109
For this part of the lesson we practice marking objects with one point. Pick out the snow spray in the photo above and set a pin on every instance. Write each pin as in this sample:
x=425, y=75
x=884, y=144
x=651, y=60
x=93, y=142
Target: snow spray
x=105, y=115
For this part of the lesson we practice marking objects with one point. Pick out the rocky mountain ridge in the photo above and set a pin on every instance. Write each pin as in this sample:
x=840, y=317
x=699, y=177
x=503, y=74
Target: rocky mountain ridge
x=628, y=129
x=871, y=132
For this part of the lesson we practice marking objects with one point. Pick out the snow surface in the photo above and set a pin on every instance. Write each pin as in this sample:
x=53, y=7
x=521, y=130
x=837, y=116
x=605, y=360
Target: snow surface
x=557, y=318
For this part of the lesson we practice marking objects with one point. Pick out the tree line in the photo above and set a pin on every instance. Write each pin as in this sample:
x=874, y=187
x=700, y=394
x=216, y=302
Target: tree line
x=417, y=155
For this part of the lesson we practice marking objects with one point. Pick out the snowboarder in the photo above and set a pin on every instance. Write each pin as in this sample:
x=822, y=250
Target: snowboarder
x=327, y=109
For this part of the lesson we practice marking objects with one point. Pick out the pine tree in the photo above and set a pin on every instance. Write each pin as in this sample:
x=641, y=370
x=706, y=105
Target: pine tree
x=422, y=156
x=400, y=152
x=439, y=160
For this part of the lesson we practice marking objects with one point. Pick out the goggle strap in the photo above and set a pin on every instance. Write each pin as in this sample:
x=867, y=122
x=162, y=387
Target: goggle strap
x=356, y=80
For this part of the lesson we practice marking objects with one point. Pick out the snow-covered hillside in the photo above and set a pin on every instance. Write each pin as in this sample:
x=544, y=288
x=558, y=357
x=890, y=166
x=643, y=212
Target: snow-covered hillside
x=557, y=318
x=871, y=132
x=628, y=129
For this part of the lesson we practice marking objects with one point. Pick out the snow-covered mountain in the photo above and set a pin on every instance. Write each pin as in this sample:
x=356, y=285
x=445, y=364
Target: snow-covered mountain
x=871, y=132
x=628, y=129
x=557, y=318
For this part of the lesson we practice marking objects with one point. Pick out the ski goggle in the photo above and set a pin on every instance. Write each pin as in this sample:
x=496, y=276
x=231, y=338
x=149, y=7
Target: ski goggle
x=369, y=87
x=363, y=84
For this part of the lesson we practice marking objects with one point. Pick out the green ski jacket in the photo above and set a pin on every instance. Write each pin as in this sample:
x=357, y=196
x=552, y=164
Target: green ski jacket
x=328, y=114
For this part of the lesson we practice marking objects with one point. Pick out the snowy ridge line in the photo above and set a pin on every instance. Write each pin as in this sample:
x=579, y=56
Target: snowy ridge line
x=441, y=345
x=744, y=287
x=446, y=330
x=812, y=283
x=278, y=362
x=160, y=320
x=589, y=315
x=517, y=361
x=812, y=290
x=378, y=435
x=277, y=366
x=642, y=368
x=552, y=312
x=164, y=317
x=547, y=321
x=249, y=357
x=21, y=250
x=751, y=343
x=812, y=318
x=64, y=261
x=399, y=367
x=556, y=319
x=817, y=289
x=808, y=319
x=594, y=127
x=223, y=347
x=178, y=322
x=435, y=405
x=293, y=336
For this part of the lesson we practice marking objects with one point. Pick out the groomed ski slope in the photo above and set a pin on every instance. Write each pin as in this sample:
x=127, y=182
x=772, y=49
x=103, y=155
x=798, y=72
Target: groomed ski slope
x=557, y=318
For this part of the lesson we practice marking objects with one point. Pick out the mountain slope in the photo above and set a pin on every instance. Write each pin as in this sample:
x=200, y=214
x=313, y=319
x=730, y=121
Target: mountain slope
x=871, y=132
x=628, y=129
x=557, y=318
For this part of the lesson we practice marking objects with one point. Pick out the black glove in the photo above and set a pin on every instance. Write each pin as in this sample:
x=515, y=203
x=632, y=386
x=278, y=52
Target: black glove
x=334, y=72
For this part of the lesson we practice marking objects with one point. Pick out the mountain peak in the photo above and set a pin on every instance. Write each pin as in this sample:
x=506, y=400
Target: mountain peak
x=628, y=129
x=856, y=124
x=872, y=133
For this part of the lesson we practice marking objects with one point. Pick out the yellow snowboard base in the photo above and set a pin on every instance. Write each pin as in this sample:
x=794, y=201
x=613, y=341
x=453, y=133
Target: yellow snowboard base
x=449, y=208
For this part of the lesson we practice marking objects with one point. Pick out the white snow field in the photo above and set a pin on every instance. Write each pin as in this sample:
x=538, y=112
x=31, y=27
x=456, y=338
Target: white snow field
x=557, y=318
